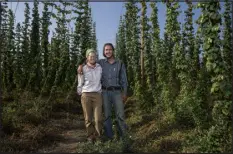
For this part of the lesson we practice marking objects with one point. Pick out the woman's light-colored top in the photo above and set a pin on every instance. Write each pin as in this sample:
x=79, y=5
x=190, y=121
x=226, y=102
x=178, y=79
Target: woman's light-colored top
x=90, y=80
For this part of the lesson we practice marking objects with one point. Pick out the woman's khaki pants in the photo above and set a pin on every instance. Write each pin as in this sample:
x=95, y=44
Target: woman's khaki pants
x=92, y=108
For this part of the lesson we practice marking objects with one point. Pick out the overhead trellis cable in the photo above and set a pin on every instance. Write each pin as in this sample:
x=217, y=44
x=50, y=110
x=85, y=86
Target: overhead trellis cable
x=16, y=8
x=47, y=74
x=122, y=8
x=70, y=20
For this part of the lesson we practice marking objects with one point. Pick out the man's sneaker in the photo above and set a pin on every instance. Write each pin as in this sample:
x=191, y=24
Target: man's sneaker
x=105, y=138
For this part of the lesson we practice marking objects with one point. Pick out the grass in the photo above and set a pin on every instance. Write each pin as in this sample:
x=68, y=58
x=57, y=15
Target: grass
x=114, y=146
x=29, y=139
x=27, y=122
x=153, y=132
x=149, y=132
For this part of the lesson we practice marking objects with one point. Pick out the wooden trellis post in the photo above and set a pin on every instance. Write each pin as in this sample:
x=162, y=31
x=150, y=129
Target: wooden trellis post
x=0, y=69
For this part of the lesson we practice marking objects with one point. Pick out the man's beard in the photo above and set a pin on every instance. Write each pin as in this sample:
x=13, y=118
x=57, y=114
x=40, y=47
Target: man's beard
x=110, y=57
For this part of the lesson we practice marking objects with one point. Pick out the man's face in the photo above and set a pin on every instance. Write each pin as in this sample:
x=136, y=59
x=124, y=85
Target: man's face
x=108, y=51
x=91, y=58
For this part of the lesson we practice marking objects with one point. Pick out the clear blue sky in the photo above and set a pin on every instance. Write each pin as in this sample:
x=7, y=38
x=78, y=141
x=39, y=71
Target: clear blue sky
x=107, y=16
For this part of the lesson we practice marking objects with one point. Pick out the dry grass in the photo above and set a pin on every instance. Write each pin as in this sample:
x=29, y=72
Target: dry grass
x=28, y=123
x=150, y=132
x=154, y=133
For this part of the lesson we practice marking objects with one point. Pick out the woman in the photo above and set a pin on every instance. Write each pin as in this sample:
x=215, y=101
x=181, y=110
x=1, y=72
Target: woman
x=89, y=87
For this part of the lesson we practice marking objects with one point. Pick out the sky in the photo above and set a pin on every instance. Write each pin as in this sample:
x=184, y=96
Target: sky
x=107, y=17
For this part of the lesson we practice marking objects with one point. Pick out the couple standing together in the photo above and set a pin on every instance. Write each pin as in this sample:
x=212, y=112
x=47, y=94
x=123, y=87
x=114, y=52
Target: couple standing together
x=102, y=84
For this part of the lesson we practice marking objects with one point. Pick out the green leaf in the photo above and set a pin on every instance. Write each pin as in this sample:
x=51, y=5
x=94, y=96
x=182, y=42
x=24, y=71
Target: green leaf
x=206, y=46
x=216, y=28
x=214, y=88
x=214, y=65
x=209, y=40
x=225, y=111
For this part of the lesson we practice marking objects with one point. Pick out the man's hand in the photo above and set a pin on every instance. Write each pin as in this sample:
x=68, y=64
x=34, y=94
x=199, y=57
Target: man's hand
x=80, y=69
x=124, y=98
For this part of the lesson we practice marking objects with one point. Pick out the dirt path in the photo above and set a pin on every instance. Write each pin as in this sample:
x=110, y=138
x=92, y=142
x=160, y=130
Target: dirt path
x=71, y=132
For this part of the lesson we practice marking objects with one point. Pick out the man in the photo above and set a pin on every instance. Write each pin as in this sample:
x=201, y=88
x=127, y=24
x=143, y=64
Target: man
x=114, y=90
x=89, y=86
